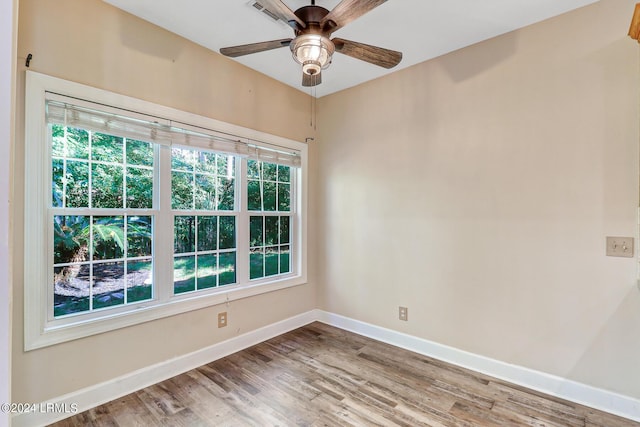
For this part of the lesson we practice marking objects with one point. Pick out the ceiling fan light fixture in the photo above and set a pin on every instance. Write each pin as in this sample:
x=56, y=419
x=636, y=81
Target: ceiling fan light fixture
x=313, y=52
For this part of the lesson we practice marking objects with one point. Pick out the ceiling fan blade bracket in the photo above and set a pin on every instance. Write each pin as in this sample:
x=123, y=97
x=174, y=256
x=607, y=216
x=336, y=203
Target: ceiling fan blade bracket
x=329, y=26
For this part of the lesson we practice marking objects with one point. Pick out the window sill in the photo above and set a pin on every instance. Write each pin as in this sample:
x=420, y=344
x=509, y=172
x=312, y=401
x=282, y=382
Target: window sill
x=109, y=322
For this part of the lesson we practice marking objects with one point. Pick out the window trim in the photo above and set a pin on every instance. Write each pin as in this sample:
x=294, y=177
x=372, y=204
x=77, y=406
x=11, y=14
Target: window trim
x=37, y=332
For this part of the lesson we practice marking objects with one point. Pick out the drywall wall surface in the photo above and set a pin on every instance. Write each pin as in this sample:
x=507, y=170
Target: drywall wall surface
x=477, y=190
x=90, y=42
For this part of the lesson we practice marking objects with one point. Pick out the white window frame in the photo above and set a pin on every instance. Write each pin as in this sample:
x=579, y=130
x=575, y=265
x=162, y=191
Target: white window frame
x=39, y=330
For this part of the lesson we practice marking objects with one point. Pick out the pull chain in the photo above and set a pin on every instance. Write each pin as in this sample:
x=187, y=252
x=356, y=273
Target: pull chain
x=311, y=106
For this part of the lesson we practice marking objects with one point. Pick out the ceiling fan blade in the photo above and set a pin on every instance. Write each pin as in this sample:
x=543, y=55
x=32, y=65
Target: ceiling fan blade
x=283, y=12
x=634, y=29
x=246, y=49
x=314, y=80
x=372, y=54
x=347, y=11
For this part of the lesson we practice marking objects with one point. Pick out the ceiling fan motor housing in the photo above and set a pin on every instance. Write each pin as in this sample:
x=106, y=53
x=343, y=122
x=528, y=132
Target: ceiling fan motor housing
x=312, y=48
x=313, y=52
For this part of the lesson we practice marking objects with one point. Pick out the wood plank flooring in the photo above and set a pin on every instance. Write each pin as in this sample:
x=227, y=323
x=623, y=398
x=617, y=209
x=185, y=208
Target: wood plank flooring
x=319, y=375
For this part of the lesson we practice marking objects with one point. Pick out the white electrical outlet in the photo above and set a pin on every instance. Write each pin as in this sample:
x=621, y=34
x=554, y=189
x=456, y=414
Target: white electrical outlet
x=403, y=313
x=620, y=246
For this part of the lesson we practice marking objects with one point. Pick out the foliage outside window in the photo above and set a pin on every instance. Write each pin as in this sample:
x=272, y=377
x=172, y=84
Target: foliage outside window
x=133, y=218
x=100, y=261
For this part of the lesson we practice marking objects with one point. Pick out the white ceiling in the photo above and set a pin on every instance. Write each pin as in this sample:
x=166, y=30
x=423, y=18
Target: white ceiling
x=421, y=29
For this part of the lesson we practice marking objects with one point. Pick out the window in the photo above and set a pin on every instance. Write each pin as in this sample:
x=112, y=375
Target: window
x=102, y=248
x=141, y=212
x=269, y=203
x=203, y=183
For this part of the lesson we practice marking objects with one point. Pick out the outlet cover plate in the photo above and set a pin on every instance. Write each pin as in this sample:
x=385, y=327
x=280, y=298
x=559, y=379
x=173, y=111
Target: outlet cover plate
x=620, y=246
x=222, y=319
x=403, y=313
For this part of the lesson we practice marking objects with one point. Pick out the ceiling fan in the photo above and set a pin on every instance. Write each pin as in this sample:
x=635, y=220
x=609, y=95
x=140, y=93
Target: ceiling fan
x=312, y=47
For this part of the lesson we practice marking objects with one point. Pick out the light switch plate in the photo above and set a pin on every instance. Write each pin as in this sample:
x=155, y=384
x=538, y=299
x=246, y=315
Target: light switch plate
x=620, y=246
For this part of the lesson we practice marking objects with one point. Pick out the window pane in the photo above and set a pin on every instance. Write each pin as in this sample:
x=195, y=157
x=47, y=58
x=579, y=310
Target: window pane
x=284, y=173
x=184, y=277
x=74, y=290
x=77, y=177
x=139, y=280
x=285, y=259
x=207, y=271
x=184, y=234
x=57, y=184
x=207, y=233
x=181, y=190
x=182, y=159
x=271, y=261
x=71, y=286
x=226, y=197
x=284, y=197
x=139, y=236
x=227, y=232
x=227, y=268
x=139, y=188
x=108, y=237
x=205, y=192
x=206, y=162
x=269, y=171
x=253, y=169
x=271, y=230
x=77, y=143
x=256, y=264
x=256, y=231
x=139, y=153
x=57, y=141
x=108, y=284
x=269, y=189
x=106, y=181
x=284, y=230
x=226, y=166
x=105, y=148
x=70, y=239
x=253, y=196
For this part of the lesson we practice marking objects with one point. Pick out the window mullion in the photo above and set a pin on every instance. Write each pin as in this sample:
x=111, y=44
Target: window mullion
x=242, y=223
x=163, y=227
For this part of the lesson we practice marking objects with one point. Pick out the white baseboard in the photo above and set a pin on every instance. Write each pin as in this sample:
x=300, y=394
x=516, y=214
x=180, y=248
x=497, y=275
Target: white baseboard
x=563, y=388
x=98, y=394
x=90, y=397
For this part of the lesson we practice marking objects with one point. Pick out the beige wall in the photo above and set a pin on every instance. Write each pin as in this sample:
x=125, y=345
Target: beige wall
x=90, y=42
x=477, y=190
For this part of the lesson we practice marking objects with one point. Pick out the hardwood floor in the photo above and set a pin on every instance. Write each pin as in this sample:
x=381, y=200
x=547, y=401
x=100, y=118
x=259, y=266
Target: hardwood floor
x=319, y=375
